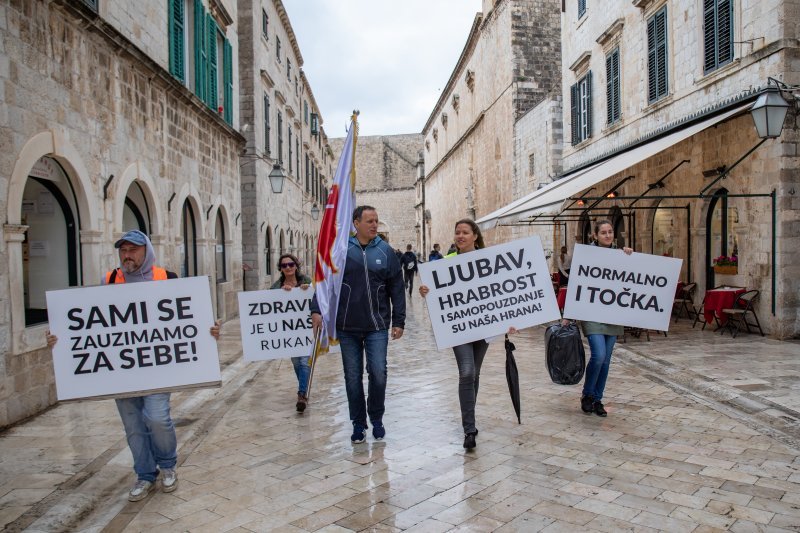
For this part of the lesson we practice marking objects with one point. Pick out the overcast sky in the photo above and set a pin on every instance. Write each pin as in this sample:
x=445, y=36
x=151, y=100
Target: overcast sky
x=387, y=58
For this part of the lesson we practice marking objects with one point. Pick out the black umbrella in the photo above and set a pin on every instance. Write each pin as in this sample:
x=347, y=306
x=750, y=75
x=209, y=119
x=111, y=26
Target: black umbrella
x=512, y=377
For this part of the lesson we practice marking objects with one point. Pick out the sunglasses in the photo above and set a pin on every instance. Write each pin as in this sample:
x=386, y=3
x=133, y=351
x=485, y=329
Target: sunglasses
x=288, y=265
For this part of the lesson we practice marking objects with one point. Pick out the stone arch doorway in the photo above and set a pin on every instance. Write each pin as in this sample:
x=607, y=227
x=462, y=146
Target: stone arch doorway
x=189, y=234
x=50, y=248
x=136, y=210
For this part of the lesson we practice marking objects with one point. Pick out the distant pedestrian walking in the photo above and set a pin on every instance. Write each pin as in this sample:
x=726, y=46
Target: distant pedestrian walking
x=409, y=262
x=435, y=253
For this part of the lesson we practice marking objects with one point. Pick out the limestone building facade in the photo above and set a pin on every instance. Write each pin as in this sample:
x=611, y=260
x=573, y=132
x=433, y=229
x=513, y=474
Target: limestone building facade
x=659, y=139
x=284, y=129
x=661, y=65
x=510, y=64
x=386, y=174
x=113, y=116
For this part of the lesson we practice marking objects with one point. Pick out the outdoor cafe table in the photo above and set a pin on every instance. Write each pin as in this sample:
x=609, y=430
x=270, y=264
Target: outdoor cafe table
x=719, y=299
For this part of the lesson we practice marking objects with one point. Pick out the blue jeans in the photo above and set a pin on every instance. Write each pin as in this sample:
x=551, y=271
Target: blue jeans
x=303, y=370
x=354, y=345
x=150, y=433
x=597, y=370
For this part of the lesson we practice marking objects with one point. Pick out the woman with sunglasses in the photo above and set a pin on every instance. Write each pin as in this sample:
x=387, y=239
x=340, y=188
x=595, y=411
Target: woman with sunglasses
x=291, y=277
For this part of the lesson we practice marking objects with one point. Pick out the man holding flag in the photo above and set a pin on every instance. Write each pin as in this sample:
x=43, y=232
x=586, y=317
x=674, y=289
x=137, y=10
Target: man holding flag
x=358, y=295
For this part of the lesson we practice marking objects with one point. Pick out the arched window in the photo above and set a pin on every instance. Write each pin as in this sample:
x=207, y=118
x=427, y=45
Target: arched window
x=585, y=228
x=664, y=232
x=268, y=252
x=721, y=239
x=136, y=213
x=221, y=263
x=189, y=234
x=50, y=248
x=618, y=223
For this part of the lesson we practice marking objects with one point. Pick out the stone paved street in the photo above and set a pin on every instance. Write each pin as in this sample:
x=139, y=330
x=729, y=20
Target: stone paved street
x=701, y=436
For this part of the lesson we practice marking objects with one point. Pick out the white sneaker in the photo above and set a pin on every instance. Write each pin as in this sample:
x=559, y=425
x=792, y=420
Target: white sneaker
x=169, y=479
x=140, y=490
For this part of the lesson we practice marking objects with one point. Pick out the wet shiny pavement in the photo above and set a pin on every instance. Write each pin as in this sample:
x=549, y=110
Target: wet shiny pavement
x=701, y=436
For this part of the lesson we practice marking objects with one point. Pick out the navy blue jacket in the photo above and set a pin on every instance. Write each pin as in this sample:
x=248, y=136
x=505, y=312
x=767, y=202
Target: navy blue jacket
x=372, y=296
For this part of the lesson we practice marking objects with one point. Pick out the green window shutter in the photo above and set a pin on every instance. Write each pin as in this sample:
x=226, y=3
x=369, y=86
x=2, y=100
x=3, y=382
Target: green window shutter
x=661, y=43
x=588, y=104
x=227, y=80
x=211, y=50
x=177, y=64
x=717, y=33
x=657, y=75
x=709, y=35
x=573, y=99
x=199, y=50
x=612, y=87
x=725, y=24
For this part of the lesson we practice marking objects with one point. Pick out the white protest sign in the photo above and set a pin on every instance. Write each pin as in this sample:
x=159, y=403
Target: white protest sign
x=128, y=338
x=276, y=323
x=481, y=294
x=606, y=285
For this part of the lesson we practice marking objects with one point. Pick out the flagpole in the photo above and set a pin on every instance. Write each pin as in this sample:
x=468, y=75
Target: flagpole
x=332, y=244
x=312, y=362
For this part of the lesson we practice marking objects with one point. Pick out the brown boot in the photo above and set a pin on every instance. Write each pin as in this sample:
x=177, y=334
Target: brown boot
x=302, y=401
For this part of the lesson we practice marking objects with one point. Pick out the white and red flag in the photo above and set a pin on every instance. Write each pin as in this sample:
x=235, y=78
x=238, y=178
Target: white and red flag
x=334, y=233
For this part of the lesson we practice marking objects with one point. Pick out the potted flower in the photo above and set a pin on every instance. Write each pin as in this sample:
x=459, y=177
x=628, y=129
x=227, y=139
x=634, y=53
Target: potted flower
x=726, y=265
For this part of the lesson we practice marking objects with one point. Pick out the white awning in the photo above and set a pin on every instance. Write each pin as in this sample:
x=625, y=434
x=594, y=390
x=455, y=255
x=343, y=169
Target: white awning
x=548, y=199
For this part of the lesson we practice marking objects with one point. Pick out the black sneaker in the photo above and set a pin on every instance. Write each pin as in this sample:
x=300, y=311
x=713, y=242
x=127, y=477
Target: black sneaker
x=587, y=404
x=469, y=440
x=378, y=431
x=359, y=433
x=599, y=410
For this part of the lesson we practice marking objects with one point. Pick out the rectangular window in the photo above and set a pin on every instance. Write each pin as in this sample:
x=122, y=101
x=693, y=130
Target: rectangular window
x=211, y=50
x=200, y=54
x=581, y=8
x=717, y=33
x=264, y=24
x=613, y=104
x=227, y=81
x=305, y=111
x=288, y=69
x=657, y=60
x=176, y=36
x=581, y=109
x=297, y=155
x=280, y=138
x=289, y=129
x=531, y=164
x=278, y=48
x=266, y=124
x=308, y=181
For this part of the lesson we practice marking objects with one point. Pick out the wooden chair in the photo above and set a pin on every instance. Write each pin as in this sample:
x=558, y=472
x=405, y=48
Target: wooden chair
x=737, y=317
x=699, y=312
x=685, y=302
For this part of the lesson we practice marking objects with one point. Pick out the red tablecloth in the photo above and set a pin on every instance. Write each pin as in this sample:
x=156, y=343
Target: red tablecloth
x=719, y=299
x=561, y=298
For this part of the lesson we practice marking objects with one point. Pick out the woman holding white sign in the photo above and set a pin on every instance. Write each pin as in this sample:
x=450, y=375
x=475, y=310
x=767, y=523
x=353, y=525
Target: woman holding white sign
x=291, y=277
x=469, y=356
x=601, y=337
